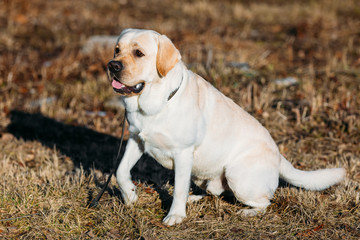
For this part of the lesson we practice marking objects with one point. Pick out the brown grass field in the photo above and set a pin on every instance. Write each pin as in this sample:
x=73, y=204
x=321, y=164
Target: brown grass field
x=59, y=134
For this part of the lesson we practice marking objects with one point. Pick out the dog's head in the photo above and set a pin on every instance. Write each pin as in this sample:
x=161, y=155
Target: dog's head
x=140, y=57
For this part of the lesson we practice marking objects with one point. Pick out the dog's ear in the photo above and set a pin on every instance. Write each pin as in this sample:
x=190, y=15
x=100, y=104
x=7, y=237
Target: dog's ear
x=167, y=56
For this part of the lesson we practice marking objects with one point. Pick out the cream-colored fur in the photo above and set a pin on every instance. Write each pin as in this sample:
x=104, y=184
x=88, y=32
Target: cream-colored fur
x=198, y=132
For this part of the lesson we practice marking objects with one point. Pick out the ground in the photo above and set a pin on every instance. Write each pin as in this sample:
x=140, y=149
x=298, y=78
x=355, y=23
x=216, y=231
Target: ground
x=294, y=65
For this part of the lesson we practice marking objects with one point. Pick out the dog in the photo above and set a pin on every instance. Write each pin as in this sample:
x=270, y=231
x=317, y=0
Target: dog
x=186, y=124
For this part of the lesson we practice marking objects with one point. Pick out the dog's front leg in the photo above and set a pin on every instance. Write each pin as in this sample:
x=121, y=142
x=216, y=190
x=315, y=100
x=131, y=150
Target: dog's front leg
x=183, y=164
x=132, y=154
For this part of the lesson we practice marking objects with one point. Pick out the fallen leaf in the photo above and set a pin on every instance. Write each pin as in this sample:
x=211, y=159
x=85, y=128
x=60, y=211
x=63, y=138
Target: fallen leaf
x=20, y=18
x=89, y=224
x=259, y=112
x=310, y=232
x=94, y=68
x=138, y=184
x=40, y=88
x=235, y=230
x=23, y=90
x=276, y=28
x=20, y=164
x=6, y=110
x=149, y=190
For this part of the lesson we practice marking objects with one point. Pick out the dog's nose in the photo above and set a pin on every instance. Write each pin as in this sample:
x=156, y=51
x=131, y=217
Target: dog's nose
x=115, y=66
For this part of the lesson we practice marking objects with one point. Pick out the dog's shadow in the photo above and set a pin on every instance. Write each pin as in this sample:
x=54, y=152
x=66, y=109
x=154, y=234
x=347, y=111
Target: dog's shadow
x=88, y=149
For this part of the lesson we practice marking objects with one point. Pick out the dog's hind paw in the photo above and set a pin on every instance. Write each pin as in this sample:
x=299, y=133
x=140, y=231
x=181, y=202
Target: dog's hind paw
x=195, y=198
x=251, y=212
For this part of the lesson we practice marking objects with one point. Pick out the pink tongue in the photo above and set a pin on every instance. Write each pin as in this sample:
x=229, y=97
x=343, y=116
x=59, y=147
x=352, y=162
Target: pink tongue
x=117, y=85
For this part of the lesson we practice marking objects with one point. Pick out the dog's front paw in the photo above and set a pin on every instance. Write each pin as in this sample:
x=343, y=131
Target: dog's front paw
x=170, y=220
x=129, y=197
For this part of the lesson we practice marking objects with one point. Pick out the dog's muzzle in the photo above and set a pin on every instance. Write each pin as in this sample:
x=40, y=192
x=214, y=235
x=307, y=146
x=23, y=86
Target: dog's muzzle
x=114, y=70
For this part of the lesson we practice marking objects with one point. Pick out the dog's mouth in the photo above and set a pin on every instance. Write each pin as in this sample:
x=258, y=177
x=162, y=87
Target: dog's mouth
x=124, y=89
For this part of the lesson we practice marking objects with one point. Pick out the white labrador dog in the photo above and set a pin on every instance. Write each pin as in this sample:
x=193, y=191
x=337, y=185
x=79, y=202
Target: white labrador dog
x=187, y=125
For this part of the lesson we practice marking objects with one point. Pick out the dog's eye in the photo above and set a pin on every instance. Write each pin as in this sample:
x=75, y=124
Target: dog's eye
x=116, y=50
x=138, y=53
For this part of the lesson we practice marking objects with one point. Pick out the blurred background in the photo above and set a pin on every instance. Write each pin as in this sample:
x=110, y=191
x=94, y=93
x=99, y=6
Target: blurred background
x=44, y=48
x=280, y=60
x=43, y=44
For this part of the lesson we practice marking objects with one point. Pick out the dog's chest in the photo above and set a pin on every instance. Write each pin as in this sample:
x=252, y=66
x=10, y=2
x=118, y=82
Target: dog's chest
x=158, y=146
x=156, y=141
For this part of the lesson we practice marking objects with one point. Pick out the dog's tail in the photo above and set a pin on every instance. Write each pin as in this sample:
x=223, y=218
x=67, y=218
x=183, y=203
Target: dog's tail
x=311, y=180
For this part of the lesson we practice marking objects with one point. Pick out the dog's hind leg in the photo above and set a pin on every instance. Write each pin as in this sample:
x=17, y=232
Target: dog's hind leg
x=217, y=185
x=200, y=183
x=253, y=183
x=195, y=198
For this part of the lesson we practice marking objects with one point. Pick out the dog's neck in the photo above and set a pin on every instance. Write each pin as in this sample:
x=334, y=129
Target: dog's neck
x=159, y=92
x=175, y=91
x=174, y=79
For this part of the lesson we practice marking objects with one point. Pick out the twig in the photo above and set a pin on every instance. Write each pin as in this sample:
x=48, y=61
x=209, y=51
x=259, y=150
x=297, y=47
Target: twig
x=15, y=218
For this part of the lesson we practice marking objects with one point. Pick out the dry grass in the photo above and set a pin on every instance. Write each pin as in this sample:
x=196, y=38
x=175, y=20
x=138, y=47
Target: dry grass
x=58, y=139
